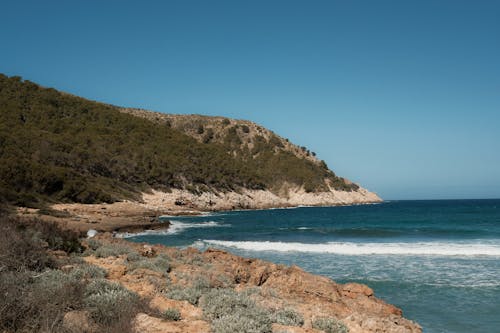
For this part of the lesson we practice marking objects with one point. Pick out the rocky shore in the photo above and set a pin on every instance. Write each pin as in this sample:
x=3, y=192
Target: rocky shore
x=169, y=279
x=134, y=216
x=192, y=275
x=287, y=299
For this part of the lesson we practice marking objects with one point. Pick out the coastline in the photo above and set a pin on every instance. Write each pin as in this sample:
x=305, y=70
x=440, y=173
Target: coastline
x=270, y=286
x=279, y=286
x=124, y=216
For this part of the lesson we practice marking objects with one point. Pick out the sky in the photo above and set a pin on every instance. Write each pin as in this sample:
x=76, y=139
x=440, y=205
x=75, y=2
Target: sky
x=402, y=97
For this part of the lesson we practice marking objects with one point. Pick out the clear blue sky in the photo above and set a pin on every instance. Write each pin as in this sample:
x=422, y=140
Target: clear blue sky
x=400, y=96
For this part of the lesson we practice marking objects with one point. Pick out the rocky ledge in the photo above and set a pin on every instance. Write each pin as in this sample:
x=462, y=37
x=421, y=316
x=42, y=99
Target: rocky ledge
x=216, y=291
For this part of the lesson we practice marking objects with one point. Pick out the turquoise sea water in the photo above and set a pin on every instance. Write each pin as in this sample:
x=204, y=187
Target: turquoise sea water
x=437, y=260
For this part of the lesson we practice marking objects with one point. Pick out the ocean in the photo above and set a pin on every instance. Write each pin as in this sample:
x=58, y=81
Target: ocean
x=437, y=260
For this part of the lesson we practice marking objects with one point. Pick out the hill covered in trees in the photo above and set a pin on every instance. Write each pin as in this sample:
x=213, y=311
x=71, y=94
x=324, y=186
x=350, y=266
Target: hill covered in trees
x=56, y=147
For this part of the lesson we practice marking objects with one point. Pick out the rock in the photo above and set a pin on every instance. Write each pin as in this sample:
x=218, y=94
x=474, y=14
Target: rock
x=91, y=233
x=277, y=328
x=271, y=286
x=147, y=251
x=353, y=290
x=144, y=323
x=187, y=310
x=67, y=268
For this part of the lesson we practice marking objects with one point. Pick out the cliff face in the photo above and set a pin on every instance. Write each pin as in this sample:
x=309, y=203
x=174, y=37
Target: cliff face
x=253, y=199
x=276, y=289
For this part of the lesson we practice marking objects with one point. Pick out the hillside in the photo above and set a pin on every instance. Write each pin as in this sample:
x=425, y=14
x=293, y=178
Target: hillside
x=56, y=147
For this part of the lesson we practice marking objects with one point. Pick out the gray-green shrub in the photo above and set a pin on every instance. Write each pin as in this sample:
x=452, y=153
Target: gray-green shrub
x=288, y=317
x=191, y=293
x=242, y=324
x=172, y=314
x=159, y=264
x=93, y=244
x=134, y=256
x=88, y=271
x=112, y=250
x=230, y=311
x=109, y=301
x=329, y=325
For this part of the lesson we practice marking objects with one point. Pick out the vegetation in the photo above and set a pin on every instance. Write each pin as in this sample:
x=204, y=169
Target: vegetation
x=192, y=294
x=112, y=250
x=230, y=311
x=109, y=301
x=288, y=317
x=160, y=264
x=329, y=325
x=36, y=294
x=172, y=314
x=59, y=147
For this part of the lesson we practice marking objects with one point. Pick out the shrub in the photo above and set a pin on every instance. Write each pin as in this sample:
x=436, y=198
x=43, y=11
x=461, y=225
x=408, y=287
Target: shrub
x=159, y=264
x=19, y=249
x=33, y=297
x=109, y=302
x=195, y=259
x=93, y=244
x=329, y=325
x=88, y=271
x=230, y=311
x=288, y=317
x=192, y=293
x=134, y=256
x=172, y=314
x=35, y=303
x=242, y=324
x=112, y=249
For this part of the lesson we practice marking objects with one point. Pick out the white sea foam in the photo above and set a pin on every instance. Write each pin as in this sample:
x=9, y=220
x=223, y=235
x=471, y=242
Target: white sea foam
x=347, y=248
x=175, y=227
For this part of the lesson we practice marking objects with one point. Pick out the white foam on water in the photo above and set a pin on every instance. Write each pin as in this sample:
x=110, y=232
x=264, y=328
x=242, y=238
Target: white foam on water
x=174, y=228
x=348, y=248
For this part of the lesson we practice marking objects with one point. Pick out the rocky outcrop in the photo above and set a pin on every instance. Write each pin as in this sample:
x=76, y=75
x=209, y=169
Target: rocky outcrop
x=271, y=286
x=316, y=296
x=255, y=199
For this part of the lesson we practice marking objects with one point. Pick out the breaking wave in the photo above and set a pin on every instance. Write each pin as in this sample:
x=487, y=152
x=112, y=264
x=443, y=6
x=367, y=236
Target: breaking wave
x=348, y=248
x=174, y=228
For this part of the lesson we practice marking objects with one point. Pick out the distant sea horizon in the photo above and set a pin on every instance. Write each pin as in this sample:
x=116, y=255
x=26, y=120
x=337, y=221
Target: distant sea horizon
x=438, y=259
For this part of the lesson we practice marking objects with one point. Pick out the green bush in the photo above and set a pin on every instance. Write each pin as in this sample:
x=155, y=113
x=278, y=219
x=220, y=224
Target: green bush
x=288, y=317
x=172, y=314
x=230, y=311
x=329, y=325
